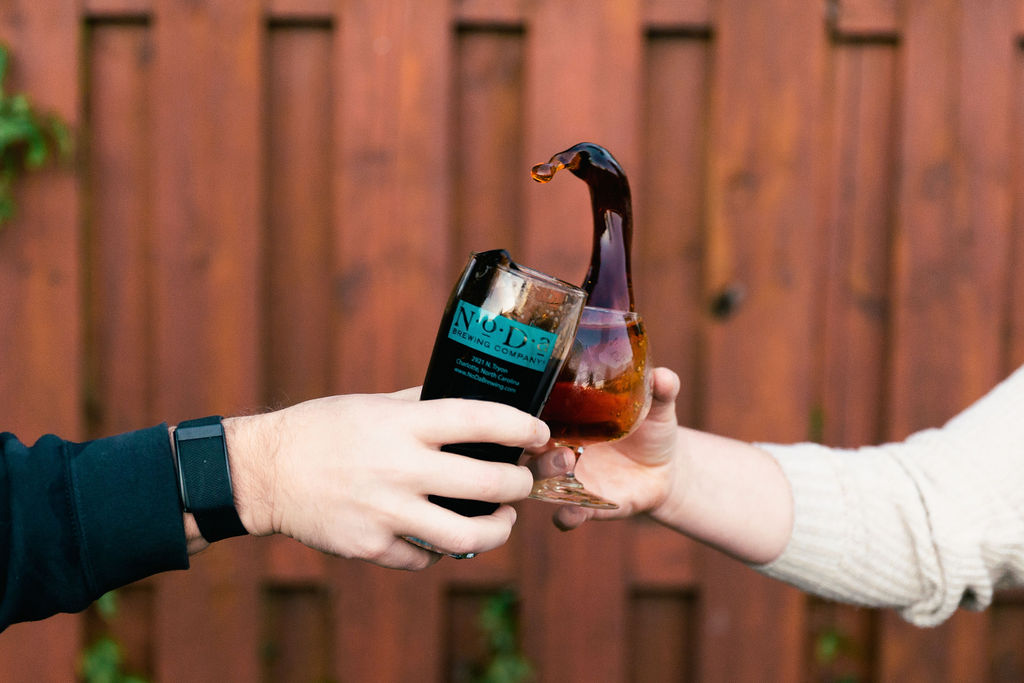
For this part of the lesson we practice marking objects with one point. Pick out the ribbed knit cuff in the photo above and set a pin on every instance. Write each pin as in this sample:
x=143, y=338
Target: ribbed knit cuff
x=128, y=508
x=820, y=528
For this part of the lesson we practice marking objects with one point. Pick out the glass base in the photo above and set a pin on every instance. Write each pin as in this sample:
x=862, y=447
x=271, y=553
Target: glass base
x=567, y=490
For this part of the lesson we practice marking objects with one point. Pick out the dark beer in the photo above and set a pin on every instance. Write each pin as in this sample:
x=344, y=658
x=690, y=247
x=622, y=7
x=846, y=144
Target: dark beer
x=604, y=390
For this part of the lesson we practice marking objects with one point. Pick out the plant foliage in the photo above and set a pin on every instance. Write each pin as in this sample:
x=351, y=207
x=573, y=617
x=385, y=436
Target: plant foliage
x=499, y=624
x=103, y=661
x=27, y=138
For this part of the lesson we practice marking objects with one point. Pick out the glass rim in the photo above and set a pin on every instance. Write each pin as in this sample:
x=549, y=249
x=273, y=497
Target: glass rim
x=600, y=312
x=533, y=274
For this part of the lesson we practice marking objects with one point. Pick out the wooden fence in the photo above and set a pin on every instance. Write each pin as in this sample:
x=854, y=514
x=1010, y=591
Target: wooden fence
x=270, y=200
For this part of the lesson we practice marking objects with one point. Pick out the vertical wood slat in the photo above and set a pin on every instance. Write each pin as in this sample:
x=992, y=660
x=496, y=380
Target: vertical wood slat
x=119, y=230
x=40, y=295
x=583, y=86
x=490, y=172
x=677, y=14
x=866, y=18
x=762, y=220
x=39, y=257
x=669, y=207
x=951, y=258
x=393, y=209
x=206, y=126
x=392, y=219
x=297, y=265
x=942, y=228
x=859, y=227
x=1015, y=317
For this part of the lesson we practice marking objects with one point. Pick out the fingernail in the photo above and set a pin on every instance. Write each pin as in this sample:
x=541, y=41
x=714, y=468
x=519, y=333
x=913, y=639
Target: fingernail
x=543, y=434
x=561, y=461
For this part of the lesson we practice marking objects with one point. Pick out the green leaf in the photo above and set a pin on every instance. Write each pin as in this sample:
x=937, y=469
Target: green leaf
x=106, y=605
x=26, y=138
x=101, y=662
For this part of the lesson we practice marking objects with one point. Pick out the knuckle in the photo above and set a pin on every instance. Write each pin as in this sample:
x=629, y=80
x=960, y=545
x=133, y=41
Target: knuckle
x=490, y=483
x=460, y=541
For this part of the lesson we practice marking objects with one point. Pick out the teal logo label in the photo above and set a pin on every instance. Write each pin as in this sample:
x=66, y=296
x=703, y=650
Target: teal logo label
x=501, y=337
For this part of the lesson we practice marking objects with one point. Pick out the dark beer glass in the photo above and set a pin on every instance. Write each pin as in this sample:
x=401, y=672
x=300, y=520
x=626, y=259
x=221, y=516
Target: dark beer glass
x=504, y=336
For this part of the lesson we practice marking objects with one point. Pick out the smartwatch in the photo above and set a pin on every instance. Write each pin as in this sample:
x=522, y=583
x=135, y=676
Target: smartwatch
x=204, y=478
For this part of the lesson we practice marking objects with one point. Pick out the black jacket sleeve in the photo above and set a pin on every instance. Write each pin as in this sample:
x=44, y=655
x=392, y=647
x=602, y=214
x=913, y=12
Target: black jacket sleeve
x=80, y=519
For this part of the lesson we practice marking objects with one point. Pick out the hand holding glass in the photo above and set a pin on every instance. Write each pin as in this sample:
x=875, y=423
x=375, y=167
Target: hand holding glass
x=602, y=394
x=504, y=336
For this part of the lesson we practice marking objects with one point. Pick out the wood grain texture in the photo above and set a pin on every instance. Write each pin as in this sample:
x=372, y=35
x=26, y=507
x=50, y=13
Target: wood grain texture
x=271, y=201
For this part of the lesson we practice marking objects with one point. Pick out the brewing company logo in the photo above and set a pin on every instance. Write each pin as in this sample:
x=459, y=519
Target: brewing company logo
x=501, y=337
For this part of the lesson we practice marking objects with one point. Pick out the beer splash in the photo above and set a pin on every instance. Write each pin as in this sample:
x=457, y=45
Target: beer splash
x=609, y=280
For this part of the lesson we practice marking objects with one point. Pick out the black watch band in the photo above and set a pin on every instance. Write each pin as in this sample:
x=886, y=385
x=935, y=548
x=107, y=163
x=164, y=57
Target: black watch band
x=204, y=478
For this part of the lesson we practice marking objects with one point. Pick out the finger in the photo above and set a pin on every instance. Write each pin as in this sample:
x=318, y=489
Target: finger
x=569, y=517
x=458, y=535
x=403, y=555
x=456, y=420
x=552, y=463
x=459, y=476
x=666, y=386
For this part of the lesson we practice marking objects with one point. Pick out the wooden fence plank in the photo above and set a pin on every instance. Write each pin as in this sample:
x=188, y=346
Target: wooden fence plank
x=119, y=230
x=297, y=266
x=866, y=18
x=762, y=237
x=584, y=86
x=208, y=181
x=490, y=12
x=676, y=15
x=669, y=212
x=39, y=258
x=392, y=213
x=859, y=227
x=392, y=217
x=487, y=145
x=951, y=255
x=1016, y=302
x=40, y=304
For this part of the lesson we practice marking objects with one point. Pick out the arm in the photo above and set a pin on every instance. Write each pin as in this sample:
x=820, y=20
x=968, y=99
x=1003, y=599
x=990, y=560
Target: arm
x=926, y=525
x=723, y=492
x=923, y=526
x=347, y=475
x=77, y=520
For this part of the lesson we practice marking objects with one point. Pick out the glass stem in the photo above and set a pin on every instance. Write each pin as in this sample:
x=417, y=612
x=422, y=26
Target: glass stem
x=571, y=474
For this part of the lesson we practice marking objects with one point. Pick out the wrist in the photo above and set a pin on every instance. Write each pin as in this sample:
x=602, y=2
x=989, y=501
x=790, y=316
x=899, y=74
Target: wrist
x=251, y=444
x=671, y=509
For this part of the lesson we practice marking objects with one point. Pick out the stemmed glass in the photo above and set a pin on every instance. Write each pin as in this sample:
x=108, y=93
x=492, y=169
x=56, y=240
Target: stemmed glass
x=602, y=393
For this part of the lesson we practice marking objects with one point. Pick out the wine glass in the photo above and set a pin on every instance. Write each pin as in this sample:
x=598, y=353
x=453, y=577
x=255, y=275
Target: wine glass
x=602, y=393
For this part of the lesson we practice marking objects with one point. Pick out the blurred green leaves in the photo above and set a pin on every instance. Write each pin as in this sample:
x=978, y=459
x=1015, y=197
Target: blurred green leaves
x=499, y=624
x=103, y=661
x=27, y=138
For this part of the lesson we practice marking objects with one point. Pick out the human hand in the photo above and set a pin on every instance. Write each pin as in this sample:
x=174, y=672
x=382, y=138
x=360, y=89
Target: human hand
x=350, y=475
x=638, y=472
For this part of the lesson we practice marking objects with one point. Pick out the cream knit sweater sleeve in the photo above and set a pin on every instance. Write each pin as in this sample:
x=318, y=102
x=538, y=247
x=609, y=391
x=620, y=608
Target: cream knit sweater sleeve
x=922, y=526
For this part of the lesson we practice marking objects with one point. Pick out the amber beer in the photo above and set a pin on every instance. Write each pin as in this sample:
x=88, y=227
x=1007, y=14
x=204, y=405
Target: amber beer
x=504, y=336
x=594, y=401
